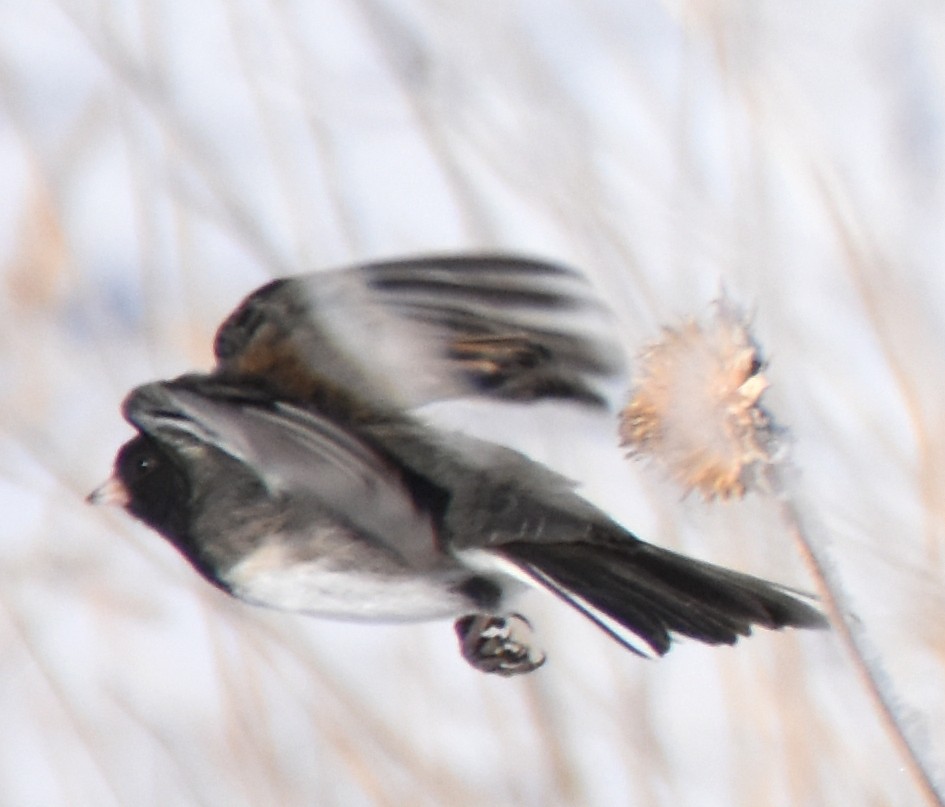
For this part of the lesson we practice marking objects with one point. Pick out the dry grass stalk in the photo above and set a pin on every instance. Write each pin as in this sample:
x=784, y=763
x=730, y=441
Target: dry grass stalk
x=695, y=410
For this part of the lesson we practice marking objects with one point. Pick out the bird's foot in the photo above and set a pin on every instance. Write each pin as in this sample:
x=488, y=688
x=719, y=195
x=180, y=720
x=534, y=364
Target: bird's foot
x=498, y=644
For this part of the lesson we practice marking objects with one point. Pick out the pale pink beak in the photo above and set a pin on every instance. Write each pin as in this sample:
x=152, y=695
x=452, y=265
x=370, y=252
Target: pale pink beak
x=110, y=492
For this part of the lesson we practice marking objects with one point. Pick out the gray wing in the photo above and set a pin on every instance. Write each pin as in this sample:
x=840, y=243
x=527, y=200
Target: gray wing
x=496, y=494
x=294, y=452
x=414, y=331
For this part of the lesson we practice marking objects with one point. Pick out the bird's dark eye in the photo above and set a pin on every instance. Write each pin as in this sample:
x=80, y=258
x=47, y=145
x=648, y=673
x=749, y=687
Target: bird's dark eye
x=144, y=465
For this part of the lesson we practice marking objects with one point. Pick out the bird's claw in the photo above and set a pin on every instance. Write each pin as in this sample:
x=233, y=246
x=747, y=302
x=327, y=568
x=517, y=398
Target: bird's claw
x=498, y=644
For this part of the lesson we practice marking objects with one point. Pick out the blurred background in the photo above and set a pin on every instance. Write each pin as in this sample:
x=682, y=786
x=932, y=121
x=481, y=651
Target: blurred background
x=160, y=159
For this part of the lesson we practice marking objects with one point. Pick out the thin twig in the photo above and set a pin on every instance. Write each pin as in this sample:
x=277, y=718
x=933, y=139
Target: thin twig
x=868, y=666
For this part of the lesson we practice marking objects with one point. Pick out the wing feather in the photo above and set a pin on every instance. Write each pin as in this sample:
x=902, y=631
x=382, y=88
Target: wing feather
x=415, y=331
x=295, y=452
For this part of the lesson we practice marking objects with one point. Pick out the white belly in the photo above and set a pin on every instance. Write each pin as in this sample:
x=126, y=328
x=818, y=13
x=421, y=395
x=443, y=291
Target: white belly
x=319, y=587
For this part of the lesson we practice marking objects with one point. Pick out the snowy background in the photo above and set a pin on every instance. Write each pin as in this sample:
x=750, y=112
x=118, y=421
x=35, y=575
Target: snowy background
x=159, y=160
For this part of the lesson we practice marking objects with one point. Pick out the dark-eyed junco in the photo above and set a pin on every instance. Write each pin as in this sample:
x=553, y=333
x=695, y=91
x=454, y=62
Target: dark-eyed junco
x=294, y=476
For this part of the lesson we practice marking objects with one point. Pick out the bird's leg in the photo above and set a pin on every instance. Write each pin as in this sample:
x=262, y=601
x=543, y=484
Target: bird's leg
x=498, y=644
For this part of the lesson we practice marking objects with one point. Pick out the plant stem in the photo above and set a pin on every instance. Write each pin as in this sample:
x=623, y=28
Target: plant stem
x=874, y=678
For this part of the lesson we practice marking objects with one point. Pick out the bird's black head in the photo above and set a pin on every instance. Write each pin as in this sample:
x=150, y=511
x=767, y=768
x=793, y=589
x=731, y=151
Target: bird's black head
x=156, y=487
x=160, y=485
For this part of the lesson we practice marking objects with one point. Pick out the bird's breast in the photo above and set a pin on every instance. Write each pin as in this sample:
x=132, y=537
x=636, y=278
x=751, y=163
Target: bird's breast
x=372, y=589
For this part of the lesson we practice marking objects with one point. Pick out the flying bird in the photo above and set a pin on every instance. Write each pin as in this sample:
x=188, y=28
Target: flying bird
x=298, y=475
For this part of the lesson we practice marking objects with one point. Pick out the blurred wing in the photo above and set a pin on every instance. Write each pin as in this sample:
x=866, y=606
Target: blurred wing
x=293, y=451
x=414, y=331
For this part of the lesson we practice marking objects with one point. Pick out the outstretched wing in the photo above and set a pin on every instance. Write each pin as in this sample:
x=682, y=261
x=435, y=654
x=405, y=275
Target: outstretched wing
x=294, y=452
x=414, y=331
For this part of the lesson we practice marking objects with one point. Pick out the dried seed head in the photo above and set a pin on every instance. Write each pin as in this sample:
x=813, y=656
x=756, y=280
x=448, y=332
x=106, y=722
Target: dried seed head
x=695, y=406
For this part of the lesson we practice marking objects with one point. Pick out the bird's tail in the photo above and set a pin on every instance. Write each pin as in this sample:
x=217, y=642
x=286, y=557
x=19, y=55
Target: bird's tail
x=628, y=587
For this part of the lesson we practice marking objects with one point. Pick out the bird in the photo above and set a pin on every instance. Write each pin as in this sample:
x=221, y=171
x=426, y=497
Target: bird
x=298, y=474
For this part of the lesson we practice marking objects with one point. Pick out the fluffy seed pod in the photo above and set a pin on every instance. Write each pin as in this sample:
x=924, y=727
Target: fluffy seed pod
x=695, y=410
